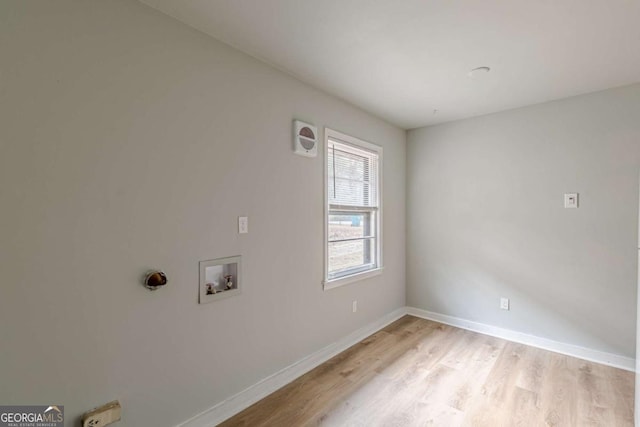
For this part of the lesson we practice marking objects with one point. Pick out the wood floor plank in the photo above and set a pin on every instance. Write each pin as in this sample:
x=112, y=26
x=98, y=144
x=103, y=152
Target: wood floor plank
x=475, y=371
x=416, y=372
x=533, y=372
x=560, y=393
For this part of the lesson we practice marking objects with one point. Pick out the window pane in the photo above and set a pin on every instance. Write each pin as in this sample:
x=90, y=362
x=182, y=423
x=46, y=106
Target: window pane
x=353, y=202
x=348, y=225
x=350, y=255
x=353, y=178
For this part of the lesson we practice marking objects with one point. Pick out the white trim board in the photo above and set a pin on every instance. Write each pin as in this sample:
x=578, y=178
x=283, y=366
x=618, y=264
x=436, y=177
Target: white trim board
x=247, y=397
x=609, y=359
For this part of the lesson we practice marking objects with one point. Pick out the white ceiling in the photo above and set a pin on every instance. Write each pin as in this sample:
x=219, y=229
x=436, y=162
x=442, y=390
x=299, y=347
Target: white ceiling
x=402, y=59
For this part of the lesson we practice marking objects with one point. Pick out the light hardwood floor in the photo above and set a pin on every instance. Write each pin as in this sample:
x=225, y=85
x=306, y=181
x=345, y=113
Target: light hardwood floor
x=416, y=372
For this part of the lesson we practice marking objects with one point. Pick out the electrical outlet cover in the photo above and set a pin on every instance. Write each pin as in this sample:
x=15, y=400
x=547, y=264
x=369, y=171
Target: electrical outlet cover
x=571, y=201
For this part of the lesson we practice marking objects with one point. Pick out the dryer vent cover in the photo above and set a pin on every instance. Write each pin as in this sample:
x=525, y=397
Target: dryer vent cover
x=305, y=139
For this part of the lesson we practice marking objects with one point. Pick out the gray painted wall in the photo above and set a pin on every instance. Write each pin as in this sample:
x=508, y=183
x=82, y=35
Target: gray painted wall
x=485, y=219
x=131, y=141
x=637, y=395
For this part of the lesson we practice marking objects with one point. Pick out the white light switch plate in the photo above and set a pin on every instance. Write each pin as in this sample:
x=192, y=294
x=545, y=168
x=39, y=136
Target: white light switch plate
x=571, y=200
x=243, y=224
x=504, y=303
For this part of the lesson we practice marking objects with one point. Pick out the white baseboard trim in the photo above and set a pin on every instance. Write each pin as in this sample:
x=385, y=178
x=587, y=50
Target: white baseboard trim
x=231, y=406
x=240, y=401
x=591, y=355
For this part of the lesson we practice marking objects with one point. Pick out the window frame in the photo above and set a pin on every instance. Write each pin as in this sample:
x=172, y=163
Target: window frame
x=358, y=273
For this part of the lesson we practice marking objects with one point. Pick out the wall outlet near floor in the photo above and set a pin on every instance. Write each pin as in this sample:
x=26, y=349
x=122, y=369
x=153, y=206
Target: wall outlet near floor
x=504, y=303
x=354, y=306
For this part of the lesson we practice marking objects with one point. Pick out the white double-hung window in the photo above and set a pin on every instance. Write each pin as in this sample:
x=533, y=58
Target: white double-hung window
x=353, y=209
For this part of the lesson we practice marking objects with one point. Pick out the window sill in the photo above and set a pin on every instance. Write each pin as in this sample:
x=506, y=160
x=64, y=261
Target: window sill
x=336, y=283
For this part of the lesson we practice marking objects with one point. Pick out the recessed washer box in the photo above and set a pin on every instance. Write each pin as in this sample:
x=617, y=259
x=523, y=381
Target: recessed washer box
x=219, y=278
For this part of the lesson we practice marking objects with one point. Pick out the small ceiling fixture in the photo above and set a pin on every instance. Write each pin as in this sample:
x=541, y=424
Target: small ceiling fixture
x=479, y=72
